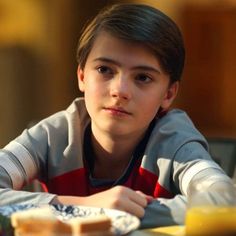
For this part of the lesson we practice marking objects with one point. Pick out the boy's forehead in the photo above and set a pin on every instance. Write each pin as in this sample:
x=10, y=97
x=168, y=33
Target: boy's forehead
x=109, y=44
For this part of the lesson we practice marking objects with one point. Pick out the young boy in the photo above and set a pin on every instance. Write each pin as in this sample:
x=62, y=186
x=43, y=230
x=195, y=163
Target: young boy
x=120, y=146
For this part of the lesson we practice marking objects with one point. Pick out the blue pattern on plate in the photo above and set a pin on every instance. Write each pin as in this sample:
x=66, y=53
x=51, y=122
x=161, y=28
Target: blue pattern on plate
x=8, y=210
x=122, y=222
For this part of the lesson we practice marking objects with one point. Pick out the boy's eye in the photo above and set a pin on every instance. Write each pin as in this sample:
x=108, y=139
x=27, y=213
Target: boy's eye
x=143, y=78
x=104, y=70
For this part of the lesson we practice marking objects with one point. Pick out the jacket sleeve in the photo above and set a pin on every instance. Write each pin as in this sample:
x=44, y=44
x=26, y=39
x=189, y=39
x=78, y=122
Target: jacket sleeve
x=9, y=197
x=178, y=155
x=164, y=212
x=21, y=161
x=46, y=150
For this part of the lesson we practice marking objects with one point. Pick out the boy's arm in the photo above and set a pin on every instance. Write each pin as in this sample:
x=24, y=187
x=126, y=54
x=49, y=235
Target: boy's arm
x=26, y=158
x=18, y=166
x=118, y=197
x=164, y=212
x=9, y=197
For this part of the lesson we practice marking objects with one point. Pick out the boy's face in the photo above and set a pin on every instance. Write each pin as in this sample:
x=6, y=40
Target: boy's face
x=124, y=86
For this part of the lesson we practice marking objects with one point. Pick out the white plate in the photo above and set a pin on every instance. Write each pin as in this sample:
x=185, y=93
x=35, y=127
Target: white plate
x=122, y=222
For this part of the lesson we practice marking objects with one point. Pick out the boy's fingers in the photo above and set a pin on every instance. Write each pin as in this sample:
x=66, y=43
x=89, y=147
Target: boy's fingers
x=131, y=195
x=138, y=199
x=149, y=198
x=134, y=209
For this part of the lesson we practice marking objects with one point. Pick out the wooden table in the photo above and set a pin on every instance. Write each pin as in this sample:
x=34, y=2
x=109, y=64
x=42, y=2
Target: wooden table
x=161, y=231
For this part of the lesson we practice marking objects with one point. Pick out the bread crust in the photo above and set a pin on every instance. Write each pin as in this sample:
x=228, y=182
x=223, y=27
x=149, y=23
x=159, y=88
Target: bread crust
x=42, y=222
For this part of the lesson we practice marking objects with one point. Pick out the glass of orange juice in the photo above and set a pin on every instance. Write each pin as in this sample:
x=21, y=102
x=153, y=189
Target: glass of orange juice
x=211, y=212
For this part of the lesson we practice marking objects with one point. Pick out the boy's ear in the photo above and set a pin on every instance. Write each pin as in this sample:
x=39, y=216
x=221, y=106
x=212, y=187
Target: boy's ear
x=80, y=76
x=170, y=95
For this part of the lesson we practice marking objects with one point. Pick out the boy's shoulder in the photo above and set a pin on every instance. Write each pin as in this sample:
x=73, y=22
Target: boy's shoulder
x=173, y=130
x=74, y=113
x=175, y=118
x=77, y=105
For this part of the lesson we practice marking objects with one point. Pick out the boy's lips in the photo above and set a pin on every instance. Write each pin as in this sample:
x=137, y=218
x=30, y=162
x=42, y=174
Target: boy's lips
x=117, y=110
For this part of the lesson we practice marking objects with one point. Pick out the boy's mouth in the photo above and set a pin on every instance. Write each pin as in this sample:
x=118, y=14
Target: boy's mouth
x=117, y=110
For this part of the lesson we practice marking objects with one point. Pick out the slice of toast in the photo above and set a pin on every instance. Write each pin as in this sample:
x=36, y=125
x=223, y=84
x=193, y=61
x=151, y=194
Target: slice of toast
x=99, y=223
x=42, y=221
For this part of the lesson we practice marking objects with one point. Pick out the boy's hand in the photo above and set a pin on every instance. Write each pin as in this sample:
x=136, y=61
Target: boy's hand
x=119, y=197
x=149, y=198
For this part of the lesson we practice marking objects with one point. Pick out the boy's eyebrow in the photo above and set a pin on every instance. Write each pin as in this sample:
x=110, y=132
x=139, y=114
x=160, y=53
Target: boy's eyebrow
x=141, y=67
x=148, y=68
x=105, y=59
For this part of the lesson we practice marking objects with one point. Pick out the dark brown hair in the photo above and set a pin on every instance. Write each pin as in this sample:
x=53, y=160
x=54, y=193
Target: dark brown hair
x=139, y=23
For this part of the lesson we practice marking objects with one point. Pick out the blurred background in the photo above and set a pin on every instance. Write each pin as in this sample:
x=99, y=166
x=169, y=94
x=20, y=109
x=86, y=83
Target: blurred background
x=38, y=40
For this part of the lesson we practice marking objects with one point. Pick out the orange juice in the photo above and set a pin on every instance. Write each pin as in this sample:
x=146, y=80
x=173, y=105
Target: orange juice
x=211, y=220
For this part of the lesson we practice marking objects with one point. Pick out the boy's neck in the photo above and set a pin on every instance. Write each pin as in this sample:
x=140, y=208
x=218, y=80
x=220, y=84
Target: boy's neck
x=114, y=149
x=112, y=153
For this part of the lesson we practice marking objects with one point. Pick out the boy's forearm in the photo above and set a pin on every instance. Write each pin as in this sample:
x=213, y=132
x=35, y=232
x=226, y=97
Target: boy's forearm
x=69, y=200
x=9, y=197
x=118, y=197
x=164, y=212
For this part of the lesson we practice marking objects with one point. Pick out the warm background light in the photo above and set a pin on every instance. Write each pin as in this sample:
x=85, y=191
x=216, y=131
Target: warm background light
x=38, y=40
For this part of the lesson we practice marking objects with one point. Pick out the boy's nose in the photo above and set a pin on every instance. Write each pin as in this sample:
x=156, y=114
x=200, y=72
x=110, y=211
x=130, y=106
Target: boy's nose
x=121, y=88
